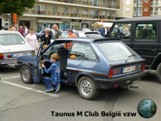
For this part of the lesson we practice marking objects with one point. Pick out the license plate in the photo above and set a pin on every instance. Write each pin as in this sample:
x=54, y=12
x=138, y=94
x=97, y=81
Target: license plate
x=129, y=69
x=14, y=55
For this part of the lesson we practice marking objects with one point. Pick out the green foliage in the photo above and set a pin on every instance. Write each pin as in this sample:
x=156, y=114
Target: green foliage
x=15, y=6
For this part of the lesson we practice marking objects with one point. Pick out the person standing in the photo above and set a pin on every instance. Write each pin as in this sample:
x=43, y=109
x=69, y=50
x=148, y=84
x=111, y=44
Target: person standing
x=102, y=30
x=46, y=38
x=10, y=28
x=21, y=30
x=31, y=39
x=25, y=30
x=71, y=34
x=58, y=32
x=14, y=28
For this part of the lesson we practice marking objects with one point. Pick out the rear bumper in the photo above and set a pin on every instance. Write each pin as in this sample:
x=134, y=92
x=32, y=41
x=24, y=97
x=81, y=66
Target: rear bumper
x=8, y=62
x=117, y=82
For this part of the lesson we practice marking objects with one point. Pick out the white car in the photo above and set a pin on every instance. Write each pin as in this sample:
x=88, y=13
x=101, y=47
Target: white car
x=94, y=34
x=80, y=33
x=12, y=45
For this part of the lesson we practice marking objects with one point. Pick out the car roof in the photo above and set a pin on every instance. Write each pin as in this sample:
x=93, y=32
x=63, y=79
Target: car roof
x=84, y=39
x=145, y=18
x=8, y=32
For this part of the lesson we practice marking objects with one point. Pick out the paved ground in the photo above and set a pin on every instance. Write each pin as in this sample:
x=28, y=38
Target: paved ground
x=23, y=102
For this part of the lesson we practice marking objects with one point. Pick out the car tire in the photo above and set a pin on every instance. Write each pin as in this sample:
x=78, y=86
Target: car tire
x=87, y=88
x=26, y=74
x=158, y=72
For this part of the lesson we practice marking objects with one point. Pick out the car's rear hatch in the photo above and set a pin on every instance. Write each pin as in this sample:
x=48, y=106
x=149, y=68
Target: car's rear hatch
x=122, y=59
x=11, y=52
x=11, y=46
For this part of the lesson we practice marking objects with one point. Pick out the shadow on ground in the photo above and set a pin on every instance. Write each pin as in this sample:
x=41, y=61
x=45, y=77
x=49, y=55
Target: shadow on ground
x=4, y=69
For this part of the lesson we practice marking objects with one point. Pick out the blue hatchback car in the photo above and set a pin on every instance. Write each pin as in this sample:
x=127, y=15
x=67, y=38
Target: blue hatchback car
x=89, y=64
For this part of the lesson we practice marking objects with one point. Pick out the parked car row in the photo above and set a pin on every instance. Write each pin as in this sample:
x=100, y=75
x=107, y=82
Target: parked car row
x=12, y=44
x=92, y=62
x=79, y=33
x=94, y=34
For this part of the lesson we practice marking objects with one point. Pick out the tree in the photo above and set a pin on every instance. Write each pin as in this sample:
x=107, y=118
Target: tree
x=15, y=6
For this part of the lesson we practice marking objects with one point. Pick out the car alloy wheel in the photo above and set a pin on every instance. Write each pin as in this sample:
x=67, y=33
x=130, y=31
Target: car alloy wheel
x=26, y=74
x=87, y=88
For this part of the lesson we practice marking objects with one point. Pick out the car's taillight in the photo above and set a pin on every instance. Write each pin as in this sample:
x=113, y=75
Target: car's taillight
x=113, y=72
x=110, y=73
x=1, y=56
x=116, y=71
x=143, y=66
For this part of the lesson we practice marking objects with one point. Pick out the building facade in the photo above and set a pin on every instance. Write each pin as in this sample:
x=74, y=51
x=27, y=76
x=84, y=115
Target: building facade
x=70, y=13
x=155, y=7
x=74, y=13
x=126, y=8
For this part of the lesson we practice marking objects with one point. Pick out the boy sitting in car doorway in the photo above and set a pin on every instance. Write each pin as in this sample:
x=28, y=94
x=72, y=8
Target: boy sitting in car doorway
x=53, y=82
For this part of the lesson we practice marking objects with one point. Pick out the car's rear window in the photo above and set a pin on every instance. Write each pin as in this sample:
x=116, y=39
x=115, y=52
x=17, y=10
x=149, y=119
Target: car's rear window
x=114, y=51
x=11, y=39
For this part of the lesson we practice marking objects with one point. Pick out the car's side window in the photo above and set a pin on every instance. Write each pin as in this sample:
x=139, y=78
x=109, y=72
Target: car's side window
x=52, y=49
x=146, y=32
x=82, y=51
x=121, y=30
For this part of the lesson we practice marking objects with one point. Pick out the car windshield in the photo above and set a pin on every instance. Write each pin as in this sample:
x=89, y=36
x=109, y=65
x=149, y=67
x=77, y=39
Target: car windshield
x=121, y=30
x=11, y=39
x=114, y=51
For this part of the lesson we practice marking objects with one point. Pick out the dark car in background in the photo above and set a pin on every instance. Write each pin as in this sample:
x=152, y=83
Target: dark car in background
x=90, y=64
x=142, y=34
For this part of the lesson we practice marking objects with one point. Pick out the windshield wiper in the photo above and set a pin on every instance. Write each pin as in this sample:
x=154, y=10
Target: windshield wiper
x=129, y=57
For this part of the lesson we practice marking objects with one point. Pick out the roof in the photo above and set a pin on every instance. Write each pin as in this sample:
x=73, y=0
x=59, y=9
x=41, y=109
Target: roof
x=89, y=39
x=8, y=32
x=146, y=18
x=76, y=39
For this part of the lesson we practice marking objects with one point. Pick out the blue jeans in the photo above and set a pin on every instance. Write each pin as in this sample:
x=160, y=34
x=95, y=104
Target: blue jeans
x=48, y=82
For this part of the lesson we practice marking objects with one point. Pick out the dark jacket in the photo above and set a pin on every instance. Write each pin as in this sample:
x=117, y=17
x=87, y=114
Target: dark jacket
x=46, y=40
